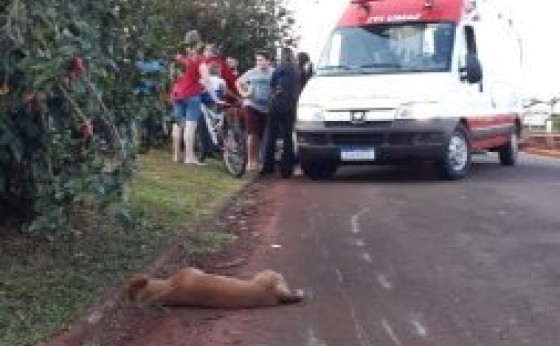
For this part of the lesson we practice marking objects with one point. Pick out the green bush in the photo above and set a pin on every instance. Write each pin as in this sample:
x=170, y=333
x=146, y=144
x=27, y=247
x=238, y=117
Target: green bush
x=556, y=123
x=67, y=110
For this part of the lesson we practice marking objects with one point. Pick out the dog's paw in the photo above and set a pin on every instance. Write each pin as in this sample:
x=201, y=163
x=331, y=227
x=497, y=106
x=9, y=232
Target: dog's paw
x=299, y=293
x=295, y=296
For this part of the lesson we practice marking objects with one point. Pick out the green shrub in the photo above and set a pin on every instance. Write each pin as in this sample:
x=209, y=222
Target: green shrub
x=67, y=110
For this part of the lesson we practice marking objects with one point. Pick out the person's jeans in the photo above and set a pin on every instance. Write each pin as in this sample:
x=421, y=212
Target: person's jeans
x=283, y=122
x=187, y=110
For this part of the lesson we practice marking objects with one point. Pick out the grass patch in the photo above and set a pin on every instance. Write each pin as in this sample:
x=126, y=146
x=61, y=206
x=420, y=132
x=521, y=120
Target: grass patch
x=45, y=285
x=170, y=194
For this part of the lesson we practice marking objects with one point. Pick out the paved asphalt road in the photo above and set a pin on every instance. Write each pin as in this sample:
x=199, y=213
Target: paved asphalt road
x=395, y=257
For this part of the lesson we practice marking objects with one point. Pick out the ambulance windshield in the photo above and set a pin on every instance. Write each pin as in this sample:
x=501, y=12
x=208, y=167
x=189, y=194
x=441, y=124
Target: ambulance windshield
x=389, y=48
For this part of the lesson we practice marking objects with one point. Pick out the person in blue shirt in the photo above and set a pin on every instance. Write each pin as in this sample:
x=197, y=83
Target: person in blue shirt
x=254, y=87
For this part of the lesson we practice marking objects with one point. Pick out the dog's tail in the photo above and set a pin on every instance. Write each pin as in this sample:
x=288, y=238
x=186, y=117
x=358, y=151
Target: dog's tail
x=137, y=284
x=295, y=296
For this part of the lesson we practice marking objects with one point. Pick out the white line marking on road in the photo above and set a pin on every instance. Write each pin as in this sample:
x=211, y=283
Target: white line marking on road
x=391, y=333
x=339, y=275
x=313, y=340
x=382, y=279
x=391, y=267
x=367, y=257
x=420, y=329
x=355, y=221
x=462, y=325
x=360, y=243
x=360, y=332
x=325, y=252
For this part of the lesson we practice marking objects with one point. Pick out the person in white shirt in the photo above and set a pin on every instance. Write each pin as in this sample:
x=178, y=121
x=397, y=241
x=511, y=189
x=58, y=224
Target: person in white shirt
x=217, y=83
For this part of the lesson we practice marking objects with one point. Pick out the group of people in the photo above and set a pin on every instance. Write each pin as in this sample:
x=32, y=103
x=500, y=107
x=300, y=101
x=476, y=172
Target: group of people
x=269, y=96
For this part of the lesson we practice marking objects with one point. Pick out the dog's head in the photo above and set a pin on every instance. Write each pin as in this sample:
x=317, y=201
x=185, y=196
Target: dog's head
x=136, y=285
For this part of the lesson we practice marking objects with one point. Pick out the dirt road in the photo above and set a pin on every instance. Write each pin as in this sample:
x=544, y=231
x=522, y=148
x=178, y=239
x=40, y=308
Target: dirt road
x=394, y=257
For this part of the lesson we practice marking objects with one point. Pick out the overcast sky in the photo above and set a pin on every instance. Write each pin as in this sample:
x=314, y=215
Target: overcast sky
x=536, y=21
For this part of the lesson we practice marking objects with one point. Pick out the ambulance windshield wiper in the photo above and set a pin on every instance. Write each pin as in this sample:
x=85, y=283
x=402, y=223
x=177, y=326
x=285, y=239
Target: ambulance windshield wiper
x=334, y=67
x=381, y=65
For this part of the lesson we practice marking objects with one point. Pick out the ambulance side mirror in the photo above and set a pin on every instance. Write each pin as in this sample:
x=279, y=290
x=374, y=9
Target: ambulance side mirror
x=472, y=71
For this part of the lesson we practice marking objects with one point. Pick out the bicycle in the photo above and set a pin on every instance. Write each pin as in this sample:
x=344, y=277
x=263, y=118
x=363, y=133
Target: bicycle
x=220, y=133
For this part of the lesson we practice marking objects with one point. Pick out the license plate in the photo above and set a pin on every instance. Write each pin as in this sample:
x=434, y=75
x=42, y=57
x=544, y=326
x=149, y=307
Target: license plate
x=357, y=154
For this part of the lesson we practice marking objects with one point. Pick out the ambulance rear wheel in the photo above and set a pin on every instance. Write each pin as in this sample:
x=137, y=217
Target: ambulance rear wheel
x=457, y=160
x=510, y=151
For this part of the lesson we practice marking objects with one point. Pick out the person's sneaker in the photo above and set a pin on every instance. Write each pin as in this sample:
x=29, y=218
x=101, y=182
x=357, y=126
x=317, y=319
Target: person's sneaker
x=253, y=167
x=194, y=163
x=286, y=172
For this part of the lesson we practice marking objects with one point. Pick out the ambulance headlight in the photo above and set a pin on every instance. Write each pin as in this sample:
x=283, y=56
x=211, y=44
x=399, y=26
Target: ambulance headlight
x=419, y=111
x=310, y=113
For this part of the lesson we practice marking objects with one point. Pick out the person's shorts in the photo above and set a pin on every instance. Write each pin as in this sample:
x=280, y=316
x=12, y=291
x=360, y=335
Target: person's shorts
x=206, y=99
x=187, y=110
x=255, y=121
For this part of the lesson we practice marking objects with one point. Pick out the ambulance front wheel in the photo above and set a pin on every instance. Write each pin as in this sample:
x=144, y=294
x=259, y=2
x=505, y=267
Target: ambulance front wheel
x=456, y=162
x=317, y=170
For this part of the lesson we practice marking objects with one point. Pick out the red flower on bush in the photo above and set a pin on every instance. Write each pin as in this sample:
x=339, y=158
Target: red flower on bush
x=77, y=69
x=86, y=129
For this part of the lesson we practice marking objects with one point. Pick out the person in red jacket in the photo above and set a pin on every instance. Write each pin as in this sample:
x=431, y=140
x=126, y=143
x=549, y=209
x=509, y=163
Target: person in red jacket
x=186, y=97
x=212, y=54
x=233, y=65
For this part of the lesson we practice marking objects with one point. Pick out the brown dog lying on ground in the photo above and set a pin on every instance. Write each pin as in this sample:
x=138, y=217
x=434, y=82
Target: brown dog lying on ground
x=193, y=287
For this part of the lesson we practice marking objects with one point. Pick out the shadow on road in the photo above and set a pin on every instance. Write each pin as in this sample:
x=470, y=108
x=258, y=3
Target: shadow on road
x=485, y=169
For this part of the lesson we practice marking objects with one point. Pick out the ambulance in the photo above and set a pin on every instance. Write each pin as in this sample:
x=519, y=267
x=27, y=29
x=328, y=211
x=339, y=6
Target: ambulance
x=403, y=81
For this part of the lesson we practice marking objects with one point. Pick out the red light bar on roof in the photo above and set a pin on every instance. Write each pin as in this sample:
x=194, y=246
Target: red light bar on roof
x=427, y=3
x=364, y=12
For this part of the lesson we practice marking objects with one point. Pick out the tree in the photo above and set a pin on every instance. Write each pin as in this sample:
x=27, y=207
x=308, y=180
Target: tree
x=67, y=110
x=239, y=27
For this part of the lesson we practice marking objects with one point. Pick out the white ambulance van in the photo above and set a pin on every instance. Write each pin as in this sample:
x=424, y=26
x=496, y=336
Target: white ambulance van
x=413, y=80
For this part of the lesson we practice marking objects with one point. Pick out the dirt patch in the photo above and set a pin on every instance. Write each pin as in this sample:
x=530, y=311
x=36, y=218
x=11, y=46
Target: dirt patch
x=544, y=141
x=543, y=145
x=115, y=321
x=543, y=152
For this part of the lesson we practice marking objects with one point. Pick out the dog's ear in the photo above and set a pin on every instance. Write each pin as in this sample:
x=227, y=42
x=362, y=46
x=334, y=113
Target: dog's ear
x=137, y=284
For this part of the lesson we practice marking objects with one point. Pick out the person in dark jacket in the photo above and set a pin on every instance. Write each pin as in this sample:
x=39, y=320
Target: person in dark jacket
x=305, y=68
x=285, y=85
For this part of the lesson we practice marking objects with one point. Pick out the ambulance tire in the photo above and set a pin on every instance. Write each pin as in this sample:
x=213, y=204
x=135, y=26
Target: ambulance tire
x=318, y=170
x=458, y=156
x=509, y=152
